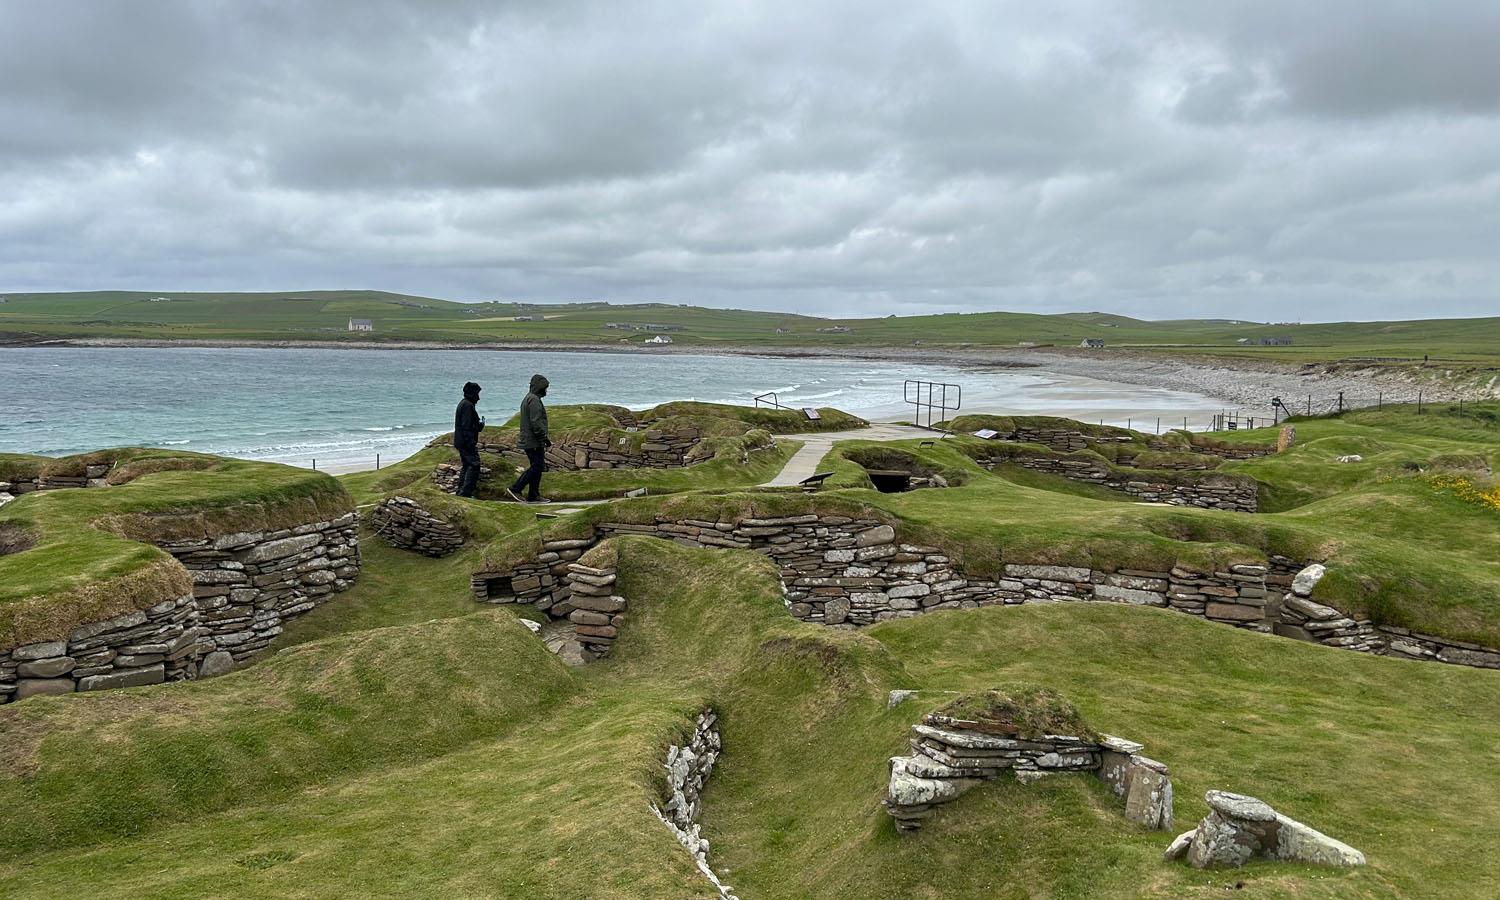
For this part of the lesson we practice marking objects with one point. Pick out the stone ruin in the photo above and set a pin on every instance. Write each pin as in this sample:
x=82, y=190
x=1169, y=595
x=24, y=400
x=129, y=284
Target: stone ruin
x=406, y=524
x=1239, y=828
x=688, y=768
x=576, y=589
x=1302, y=618
x=94, y=476
x=950, y=755
x=851, y=571
x=244, y=586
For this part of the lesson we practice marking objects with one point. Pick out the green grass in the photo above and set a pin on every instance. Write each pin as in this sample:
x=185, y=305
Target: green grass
x=541, y=789
x=1465, y=347
x=91, y=559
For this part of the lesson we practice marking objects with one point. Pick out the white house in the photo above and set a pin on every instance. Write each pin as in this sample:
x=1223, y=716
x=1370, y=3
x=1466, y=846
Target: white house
x=361, y=325
x=660, y=339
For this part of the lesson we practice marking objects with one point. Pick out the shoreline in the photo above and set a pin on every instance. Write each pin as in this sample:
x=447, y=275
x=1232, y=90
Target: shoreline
x=1246, y=385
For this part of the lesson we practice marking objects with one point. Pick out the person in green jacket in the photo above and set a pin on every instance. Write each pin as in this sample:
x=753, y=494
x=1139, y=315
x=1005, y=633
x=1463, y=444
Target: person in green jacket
x=534, y=440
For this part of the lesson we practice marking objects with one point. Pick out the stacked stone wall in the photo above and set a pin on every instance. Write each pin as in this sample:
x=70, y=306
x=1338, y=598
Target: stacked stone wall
x=1231, y=452
x=847, y=572
x=1302, y=618
x=93, y=477
x=950, y=756
x=404, y=523
x=1210, y=492
x=245, y=586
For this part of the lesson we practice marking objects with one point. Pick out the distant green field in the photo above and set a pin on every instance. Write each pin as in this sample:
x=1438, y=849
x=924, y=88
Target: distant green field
x=325, y=315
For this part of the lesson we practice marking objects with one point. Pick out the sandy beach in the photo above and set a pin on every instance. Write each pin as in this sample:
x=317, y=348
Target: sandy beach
x=1243, y=385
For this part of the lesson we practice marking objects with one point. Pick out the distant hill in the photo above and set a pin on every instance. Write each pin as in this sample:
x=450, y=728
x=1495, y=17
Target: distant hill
x=325, y=315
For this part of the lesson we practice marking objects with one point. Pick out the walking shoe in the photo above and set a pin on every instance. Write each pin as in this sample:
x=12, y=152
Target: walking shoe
x=513, y=495
x=538, y=500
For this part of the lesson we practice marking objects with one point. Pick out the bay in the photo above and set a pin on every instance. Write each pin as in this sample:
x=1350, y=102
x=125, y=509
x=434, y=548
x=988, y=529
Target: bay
x=341, y=407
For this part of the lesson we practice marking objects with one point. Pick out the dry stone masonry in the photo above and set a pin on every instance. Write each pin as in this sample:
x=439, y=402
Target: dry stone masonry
x=1305, y=619
x=848, y=572
x=1216, y=490
x=569, y=584
x=949, y=756
x=1239, y=828
x=245, y=586
x=404, y=523
x=688, y=769
x=93, y=477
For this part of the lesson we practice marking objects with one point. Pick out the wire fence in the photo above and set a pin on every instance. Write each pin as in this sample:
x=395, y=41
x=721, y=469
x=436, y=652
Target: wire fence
x=1283, y=408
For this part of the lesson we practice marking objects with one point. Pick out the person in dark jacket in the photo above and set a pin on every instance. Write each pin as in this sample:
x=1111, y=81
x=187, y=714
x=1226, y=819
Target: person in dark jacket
x=534, y=440
x=467, y=423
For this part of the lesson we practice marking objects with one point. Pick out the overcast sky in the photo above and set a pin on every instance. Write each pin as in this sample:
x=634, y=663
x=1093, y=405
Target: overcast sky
x=1268, y=160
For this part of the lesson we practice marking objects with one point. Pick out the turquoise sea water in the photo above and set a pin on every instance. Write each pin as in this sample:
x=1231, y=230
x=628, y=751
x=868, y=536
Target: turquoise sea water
x=341, y=407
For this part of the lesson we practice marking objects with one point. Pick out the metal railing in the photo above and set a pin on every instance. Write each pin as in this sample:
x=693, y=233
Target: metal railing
x=932, y=396
x=773, y=402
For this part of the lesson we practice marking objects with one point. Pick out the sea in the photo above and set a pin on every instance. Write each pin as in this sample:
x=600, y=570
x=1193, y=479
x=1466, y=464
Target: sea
x=340, y=409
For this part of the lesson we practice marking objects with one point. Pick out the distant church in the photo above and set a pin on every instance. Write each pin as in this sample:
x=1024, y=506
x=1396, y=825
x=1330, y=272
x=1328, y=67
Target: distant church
x=361, y=325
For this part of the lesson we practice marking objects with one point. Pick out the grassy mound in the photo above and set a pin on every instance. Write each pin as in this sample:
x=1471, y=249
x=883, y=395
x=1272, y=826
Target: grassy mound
x=1021, y=709
x=550, y=799
x=91, y=556
x=330, y=709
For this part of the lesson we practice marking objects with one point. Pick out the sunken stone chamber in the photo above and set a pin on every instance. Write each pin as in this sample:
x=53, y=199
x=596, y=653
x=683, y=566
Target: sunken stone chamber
x=245, y=586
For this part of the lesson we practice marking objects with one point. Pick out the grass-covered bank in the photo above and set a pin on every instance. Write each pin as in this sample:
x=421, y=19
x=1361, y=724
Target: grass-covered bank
x=90, y=554
x=553, y=803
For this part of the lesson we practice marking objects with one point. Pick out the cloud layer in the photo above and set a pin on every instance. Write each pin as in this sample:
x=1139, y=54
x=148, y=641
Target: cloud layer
x=1268, y=160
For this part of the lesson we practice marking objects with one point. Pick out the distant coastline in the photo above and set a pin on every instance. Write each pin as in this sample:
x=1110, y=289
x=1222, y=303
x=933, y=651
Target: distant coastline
x=1243, y=383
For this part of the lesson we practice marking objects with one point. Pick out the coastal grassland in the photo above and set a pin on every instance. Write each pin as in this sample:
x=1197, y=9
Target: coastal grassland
x=1401, y=549
x=90, y=558
x=551, y=801
x=1465, y=346
x=359, y=701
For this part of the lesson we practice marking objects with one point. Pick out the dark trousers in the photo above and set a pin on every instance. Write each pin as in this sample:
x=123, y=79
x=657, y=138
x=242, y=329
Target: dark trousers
x=469, y=474
x=532, y=477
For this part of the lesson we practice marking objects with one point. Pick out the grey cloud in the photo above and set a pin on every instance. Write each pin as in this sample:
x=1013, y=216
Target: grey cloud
x=1159, y=159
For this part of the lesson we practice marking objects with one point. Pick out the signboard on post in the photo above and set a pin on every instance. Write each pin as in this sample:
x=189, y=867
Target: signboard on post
x=988, y=434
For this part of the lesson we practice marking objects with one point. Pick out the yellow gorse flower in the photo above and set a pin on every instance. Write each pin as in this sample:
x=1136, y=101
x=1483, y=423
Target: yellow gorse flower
x=1466, y=490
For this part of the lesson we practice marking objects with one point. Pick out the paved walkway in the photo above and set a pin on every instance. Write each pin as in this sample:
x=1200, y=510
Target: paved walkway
x=816, y=445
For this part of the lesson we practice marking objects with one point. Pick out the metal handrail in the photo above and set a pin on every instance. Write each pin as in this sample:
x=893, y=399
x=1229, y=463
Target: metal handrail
x=774, y=402
x=937, y=397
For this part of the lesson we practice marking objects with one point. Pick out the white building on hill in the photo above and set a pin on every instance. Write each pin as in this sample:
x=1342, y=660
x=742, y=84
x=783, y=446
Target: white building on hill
x=361, y=325
x=660, y=339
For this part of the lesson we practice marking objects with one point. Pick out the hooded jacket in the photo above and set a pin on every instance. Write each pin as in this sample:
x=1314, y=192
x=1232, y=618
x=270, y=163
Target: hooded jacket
x=533, y=417
x=466, y=419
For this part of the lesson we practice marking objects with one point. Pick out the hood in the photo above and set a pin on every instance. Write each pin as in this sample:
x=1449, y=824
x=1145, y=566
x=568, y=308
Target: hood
x=471, y=392
x=539, y=385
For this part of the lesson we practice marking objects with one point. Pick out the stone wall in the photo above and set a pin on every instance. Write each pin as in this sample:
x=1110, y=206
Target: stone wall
x=1303, y=618
x=950, y=756
x=688, y=768
x=661, y=449
x=404, y=523
x=1223, y=451
x=1212, y=491
x=566, y=582
x=849, y=572
x=93, y=477
x=245, y=586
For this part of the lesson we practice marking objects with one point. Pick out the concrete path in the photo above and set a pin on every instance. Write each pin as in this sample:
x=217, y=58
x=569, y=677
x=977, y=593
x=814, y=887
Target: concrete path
x=815, y=446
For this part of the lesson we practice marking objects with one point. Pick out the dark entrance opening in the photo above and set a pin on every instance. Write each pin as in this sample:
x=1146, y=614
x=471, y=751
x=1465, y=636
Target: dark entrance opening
x=499, y=590
x=890, y=481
